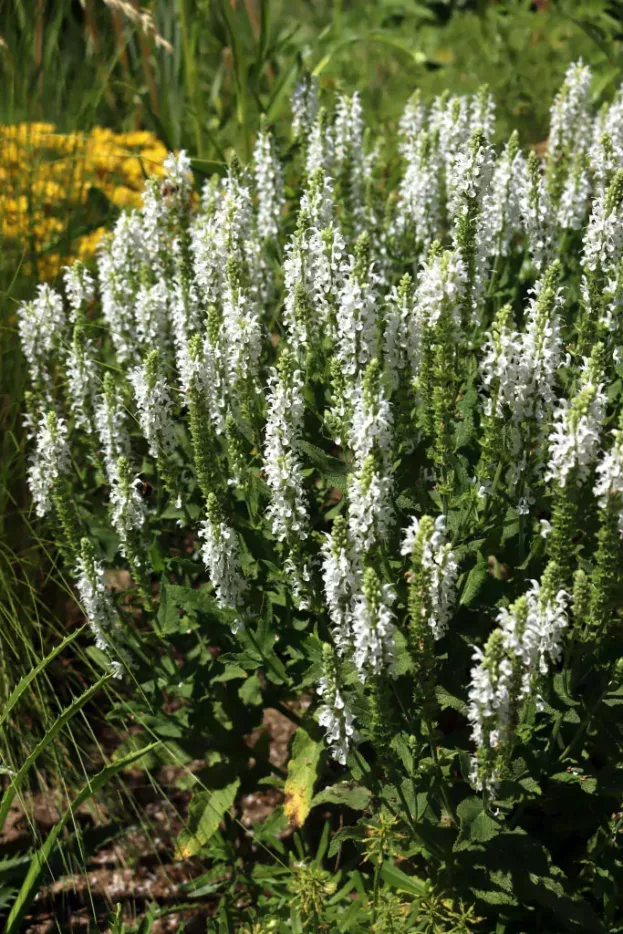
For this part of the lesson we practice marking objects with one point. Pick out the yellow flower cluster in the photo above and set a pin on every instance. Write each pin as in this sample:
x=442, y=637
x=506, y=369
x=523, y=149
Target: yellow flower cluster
x=56, y=190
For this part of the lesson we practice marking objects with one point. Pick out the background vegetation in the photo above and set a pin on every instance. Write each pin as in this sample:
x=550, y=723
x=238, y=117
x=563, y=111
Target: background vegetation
x=92, y=94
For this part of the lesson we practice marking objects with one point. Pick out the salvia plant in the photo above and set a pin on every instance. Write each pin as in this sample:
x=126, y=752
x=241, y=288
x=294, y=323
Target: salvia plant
x=351, y=418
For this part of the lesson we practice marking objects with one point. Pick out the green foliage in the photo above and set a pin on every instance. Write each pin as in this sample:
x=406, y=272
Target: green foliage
x=396, y=837
x=204, y=816
x=302, y=774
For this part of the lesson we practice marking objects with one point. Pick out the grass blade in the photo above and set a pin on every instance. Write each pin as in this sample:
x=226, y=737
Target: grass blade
x=240, y=73
x=32, y=674
x=31, y=882
x=54, y=730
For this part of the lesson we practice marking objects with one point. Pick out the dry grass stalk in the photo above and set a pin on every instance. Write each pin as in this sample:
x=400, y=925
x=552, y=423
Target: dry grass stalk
x=143, y=19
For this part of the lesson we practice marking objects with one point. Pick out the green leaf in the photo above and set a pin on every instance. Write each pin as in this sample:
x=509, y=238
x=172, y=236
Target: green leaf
x=302, y=774
x=231, y=672
x=205, y=813
x=208, y=167
x=176, y=602
x=474, y=581
x=334, y=471
x=352, y=796
x=559, y=686
x=250, y=692
x=346, y=833
x=445, y=700
x=476, y=826
x=402, y=882
x=587, y=783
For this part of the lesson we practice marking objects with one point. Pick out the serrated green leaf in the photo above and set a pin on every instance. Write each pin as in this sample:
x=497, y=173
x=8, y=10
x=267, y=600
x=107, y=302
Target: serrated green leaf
x=476, y=826
x=333, y=470
x=474, y=581
x=176, y=602
x=445, y=700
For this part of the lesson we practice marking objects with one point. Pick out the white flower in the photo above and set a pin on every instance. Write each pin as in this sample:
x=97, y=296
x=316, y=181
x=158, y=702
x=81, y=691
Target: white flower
x=41, y=326
x=98, y=606
x=604, y=158
x=471, y=176
x=128, y=510
x=401, y=333
x=502, y=201
x=606, y=151
x=342, y=574
x=151, y=311
x=313, y=270
x=110, y=425
x=575, y=196
x=164, y=206
x=304, y=103
x=205, y=372
x=373, y=627
x=221, y=556
x=178, y=184
x=609, y=486
x=441, y=571
x=574, y=440
x=314, y=264
x=82, y=379
x=540, y=352
x=79, y=286
x=269, y=186
x=538, y=214
x=372, y=425
x=49, y=461
x=603, y=240
x=506, y=674
x=358, y=326
x=570, y=119
x=350, y=154
x=440, y=291
x=419, y=196
x=412, y=122
x=527, y=370
x=338, y=721
x=603, y=252
x=370, y=505
x=499, y=367
x=320, y=146
x=227, y=231
x=155, y=410
x=287, y=511
x=243, y=333
x=474, y=231
x=120, y=259
x=450, y=118
x=482, y=112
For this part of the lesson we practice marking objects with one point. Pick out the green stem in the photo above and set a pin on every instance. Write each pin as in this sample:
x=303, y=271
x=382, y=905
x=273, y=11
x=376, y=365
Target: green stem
x=444, y=792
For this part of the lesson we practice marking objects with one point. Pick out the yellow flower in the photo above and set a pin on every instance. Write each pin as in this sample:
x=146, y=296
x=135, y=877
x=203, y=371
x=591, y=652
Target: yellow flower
x=60, y=169
x=86, y=245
